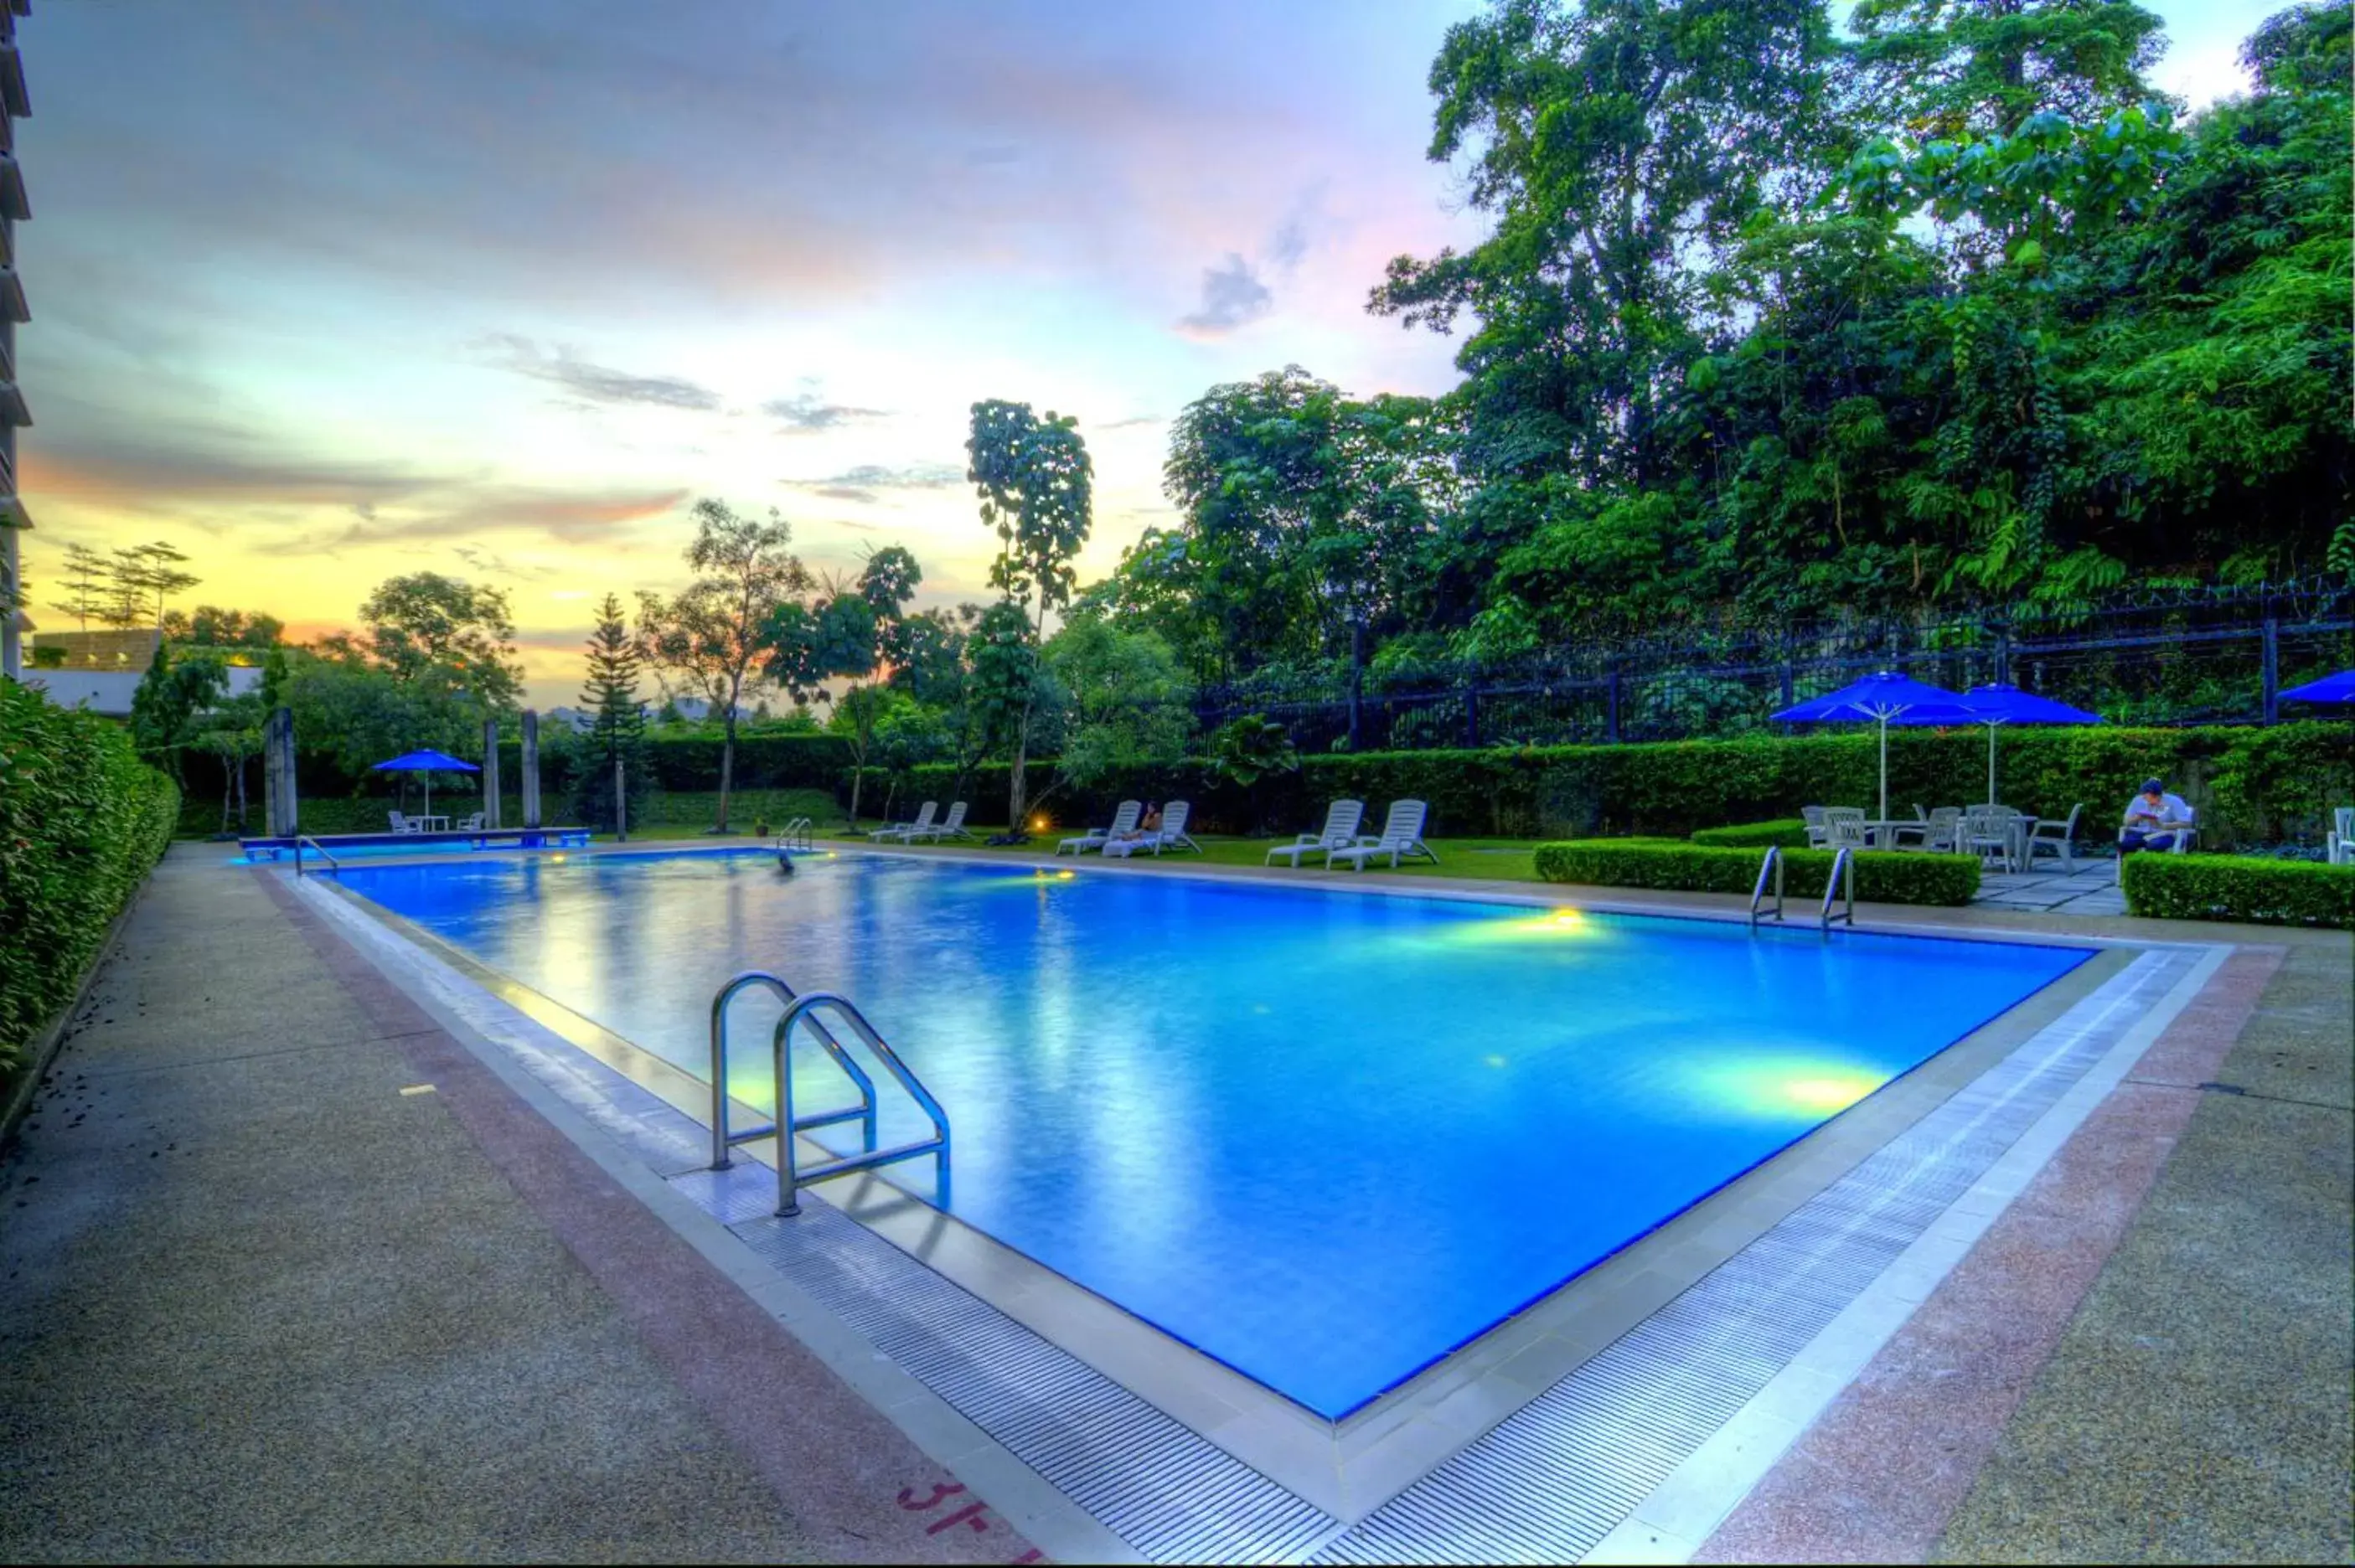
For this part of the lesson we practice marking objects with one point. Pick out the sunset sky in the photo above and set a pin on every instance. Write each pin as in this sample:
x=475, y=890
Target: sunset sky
x=324, y=292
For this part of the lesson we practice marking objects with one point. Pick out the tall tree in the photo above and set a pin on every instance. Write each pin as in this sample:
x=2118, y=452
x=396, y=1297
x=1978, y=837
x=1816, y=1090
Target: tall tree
x=171, y=699
x=1961, y=70
x=712, y=634
x=1619, y=146
x=1036, y=485
x=858, y=633
x=445, y=636
x=616, y=734
x=85, y=574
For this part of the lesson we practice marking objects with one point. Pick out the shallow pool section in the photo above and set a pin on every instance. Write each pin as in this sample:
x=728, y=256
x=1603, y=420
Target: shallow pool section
x=1325, y=1137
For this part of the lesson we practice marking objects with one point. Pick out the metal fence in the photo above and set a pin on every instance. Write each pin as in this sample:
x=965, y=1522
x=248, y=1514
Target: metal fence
x=2167, y=657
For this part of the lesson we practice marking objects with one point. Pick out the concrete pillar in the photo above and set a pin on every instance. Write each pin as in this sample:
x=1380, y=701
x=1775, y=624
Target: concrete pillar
x=278, y=748
x=491, y=772
x=270, y=775
x=530, y=768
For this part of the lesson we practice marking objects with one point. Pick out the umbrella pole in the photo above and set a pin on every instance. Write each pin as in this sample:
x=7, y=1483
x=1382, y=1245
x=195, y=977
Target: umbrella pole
x=1884, y=767
x=1991, y=729
x=428, y=779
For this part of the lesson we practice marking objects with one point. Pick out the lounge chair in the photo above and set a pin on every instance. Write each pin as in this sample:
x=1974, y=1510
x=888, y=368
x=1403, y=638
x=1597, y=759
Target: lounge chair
x=905, y=832
x=949, y=827
x=1124, y=823
x=1340, y=830
x=1401, y=836
x=1171, y=836
x=2056, y=837
x=402, y=824
x=473, y=825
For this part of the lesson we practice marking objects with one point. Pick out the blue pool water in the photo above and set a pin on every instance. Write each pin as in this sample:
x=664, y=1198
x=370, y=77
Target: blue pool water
x=1324, y=1137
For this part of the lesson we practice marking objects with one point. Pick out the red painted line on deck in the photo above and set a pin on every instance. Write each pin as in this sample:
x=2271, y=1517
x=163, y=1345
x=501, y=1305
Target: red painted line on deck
x=1876, y=1479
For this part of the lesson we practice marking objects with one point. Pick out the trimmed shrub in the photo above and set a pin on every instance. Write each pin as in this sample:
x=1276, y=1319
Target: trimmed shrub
x=82, y=820
x=1664, y=865
x=1790, y=832
x=2239, y=887
x=2268, y=782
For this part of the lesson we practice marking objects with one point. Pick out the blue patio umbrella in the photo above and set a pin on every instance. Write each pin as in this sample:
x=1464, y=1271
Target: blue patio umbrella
x=1883, y=699
x=2338, y=691
x=428, y=762
x=2000, y=703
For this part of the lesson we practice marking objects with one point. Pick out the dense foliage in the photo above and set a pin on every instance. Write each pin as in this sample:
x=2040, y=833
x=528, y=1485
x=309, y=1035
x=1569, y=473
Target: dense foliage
x=1774, y=326
x=1664, y=865
x=82, y=820
x=2232, y=887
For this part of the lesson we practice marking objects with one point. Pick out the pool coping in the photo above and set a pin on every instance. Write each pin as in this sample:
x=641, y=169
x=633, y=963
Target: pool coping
x=1351, y=1467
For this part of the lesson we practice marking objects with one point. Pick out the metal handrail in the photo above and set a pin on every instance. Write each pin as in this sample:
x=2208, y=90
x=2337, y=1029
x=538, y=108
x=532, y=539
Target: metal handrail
x=722, y=1140
x=301, y=839
x=1773, y=863
x=1843, y=866
x=797, y=834
x=792, y=1177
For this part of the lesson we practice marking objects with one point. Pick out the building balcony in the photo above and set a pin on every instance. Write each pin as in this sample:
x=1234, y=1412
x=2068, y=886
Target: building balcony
x=11, y=296
x=13, y=95
x=14, y=203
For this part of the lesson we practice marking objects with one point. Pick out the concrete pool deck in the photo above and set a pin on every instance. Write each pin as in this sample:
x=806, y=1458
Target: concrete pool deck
x=2082, y=1395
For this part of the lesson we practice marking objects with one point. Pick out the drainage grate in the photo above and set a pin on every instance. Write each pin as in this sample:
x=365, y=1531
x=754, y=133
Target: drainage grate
x=1558, y=1476
x=1172, y=1494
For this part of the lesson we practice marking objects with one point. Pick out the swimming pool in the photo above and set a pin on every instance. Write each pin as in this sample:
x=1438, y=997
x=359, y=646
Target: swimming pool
x=1324, y=1137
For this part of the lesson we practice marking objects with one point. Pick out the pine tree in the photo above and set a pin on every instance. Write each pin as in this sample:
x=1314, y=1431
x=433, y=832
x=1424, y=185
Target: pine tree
x=618, y=733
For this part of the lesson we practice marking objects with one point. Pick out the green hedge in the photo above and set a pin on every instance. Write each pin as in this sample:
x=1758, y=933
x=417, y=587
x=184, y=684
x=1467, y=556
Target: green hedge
x=1882, y=876
x=1790, y=833
x=2245, y=783
x=2239, y=887
x=82, y=820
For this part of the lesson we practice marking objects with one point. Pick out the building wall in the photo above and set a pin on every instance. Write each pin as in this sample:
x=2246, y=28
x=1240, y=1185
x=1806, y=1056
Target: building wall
x=108, y=691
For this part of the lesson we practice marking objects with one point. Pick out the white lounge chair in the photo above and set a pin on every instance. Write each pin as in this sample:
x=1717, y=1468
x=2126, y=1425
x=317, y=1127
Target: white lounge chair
x=1401, y=836
x=949, y=827
x=2056, y=837
x=907, y=831
x=1124, y=823
x=1172, y=835
x=473, y=825
x=402, y=824
x=1340, y=830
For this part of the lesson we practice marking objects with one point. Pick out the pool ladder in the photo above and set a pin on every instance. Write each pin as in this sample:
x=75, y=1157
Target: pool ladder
x=796, y=835
x=805, y=1011
x=1842, y=881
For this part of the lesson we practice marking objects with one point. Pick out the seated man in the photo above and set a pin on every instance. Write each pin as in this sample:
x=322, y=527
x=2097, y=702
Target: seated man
x=2154, y=820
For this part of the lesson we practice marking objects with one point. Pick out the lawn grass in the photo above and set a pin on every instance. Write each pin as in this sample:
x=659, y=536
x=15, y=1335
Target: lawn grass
x=1499, y=860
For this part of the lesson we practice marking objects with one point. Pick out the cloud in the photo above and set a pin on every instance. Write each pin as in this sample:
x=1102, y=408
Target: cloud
x=860, y=483
x=498, y=566
x=1130, y=424
x=598, y=383
x=805, y=414
x=1231, y=295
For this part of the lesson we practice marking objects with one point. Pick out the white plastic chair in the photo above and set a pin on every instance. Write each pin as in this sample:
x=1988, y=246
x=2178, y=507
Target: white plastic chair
x=402, y=824
x=2338, y=845
x=1172, y=834
x=2055, y=836
x=1401, y=836
x=1812, y=816
x=1124, y=823
x=949, y=827
x=1339, y=831
x=906, y=832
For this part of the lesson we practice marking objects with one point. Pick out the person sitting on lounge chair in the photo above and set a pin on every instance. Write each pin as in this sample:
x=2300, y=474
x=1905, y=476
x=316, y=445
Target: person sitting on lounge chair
x=2154, y=821
x=1147, y=829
